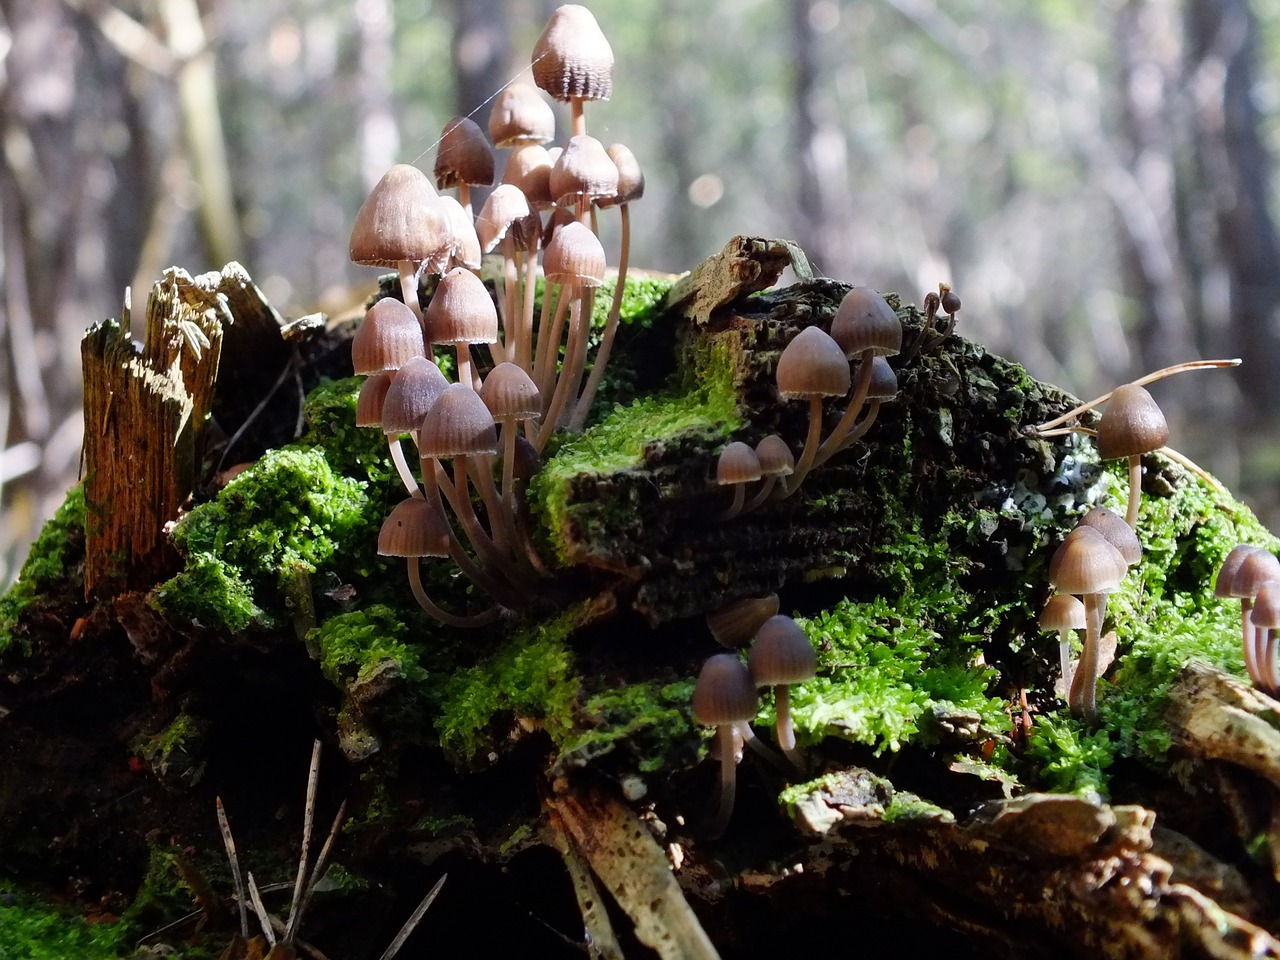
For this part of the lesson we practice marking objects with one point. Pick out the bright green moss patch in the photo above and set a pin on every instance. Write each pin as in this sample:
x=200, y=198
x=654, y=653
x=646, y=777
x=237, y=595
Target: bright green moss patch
x=31, y=929
x=52, y=557
x=651, y=719
x=352, y=644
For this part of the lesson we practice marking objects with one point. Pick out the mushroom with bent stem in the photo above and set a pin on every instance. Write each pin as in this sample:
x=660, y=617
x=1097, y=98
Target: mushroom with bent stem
x=1063, y=613
x=1131, y=425
x=780, y=656
x=725, y=697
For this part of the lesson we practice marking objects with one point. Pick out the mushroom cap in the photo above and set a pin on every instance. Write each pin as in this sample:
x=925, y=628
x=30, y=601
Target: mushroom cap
x=1132, y=424
x=738, y=463
x=572, y=59
x=583, y=170
x=520, y=117
x=1257, y=568
x=1266, y=606
x=414, y=389
x=630, y=176
x=781, y=653
x=575, y=256
x=1062, y=612
x=457, y=425
x=724, y=692
x=505, y=211
x=415, y=528
x=734, y=624
x=389, y=336
x=1224, y=584
x=812, y=365
x=1113, y=526
x=529, y=168
x=463, y=156
x=510, y=393
x=464, y=244
x=865, y=321
x=369, y=404
x=1086, y=562
x=400, y=220
x=776, y=458
x=950, y=301
x=884, y=382
x=461, y=310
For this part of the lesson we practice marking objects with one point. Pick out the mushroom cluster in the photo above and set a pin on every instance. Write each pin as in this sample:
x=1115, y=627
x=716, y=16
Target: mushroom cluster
x=1251, y=575
x=519, y=377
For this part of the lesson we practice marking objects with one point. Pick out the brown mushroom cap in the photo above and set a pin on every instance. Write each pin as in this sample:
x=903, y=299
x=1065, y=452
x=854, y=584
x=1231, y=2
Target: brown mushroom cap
x=734, y=624
x=400, y=220
x=724, y=692
x=510, y=393
x=1225, y=583
x=458, y=425
x=812, y=365
x=630, y=176
x=463, y=155
x=506, y=210
x=415, y=528
x=1132, y=424
x=738, y=463
x=865, y=321
x=1086, y=562
x=781, y=653
x=520, y=117
x=572, y=59
x=1062, y=612
x=583, y=171
x=464, y=244
x=529, y=168
x=884, y=382
x=1113, y=526
x=369, y=404
x=414, y=389
x=1257, y=568
x=574, y=256
x=389, y=336
x=461, y=310
x=1266, y=606
x=776, y=458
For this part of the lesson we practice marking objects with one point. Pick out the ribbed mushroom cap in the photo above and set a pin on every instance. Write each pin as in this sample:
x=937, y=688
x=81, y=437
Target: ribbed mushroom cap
x=864, y=321
x=572, y=59
x=510, y=393
x=461, y=310
x=415, y=528
x=1257, y=568
x=464, y=245
x=812, y=365
x=776, y=458
x=781, y=653
x=464, y=155
x=630, y=176
x=369, y=404
x=458, y=425
x=738, y=463
x=529, y=168
x=414, y=389
x=724, y=692
x=574, y=256
x=734, y=624
x=1266, y=606
x=520, y=117
x=1113, y=526
x=1086, y=562
x=1132, y=424
x=583, y=171
x=1225, y=583
x=1062, y=612
x=389, y=336
x=884, y=382
x=505, y=210
x=400, y=220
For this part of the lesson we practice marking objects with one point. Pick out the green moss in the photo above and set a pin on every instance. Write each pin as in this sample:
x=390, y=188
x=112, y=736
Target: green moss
x=353, y=644
x=54, y=557
x=32, y=929
x=174, y=752
x=907, y=806
x=652, y=720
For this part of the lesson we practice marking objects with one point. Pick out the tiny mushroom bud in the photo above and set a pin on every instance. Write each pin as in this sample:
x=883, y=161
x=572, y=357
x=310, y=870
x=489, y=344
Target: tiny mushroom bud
x=725, y=697
x=1132, y=424
x=780, y=656
x=738, y=465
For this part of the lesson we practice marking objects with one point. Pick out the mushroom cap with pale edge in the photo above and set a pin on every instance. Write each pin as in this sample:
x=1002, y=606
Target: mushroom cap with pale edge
x=510, y=393
x=1086, y=562
x=724, y=692
x=519, y=117
x=865, y=321
x=401, y=219
x=1062, y=612
x=389, y=336
x=734, y=624
x=630, y=176
x=463, y=155
x=369, y=404
x=529, y=168
x=503, y=210
x=415, y=528
x=738, y=463
x=812, y=365
x=781, y=653
x=1256, y=568
x=457, y=425
x=414, y=389
x=572, y=59
x=1132, y=424
x=884, y=382
x=583, y=170
x=464, y=244
x=461, y=310
x=1224, y=584
x=575, y=257
x=776, y=458
x=1117, y=531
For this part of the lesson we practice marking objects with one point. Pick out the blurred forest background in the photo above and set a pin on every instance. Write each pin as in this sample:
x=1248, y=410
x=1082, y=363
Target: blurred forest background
x=1097, y=181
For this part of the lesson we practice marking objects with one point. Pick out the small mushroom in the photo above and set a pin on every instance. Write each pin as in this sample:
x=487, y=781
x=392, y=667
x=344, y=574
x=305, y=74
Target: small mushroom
x=463, y=159
x=1132, y=424
x=1266, y=620
x=1062, y=614
x=734, y=624
x=776, y=464
x=737, y=466
x=1117, y=531
x=780, y=656
x=725, y=697
x=1243, y=572
x=389, y=336
x=812, y=366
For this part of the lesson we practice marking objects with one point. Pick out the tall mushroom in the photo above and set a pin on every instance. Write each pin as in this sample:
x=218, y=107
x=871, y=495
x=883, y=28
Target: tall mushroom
x=573, y=61
x=725, y=697
x=781, y=655
x=1243, y=572
x=812, y=366
x=1132, y=424
x=463, y=159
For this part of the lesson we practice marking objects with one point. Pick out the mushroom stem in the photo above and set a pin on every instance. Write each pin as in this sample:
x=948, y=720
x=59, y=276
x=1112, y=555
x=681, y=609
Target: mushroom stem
x=728, y=781
x=735, y=505
x=444, y=616
x=1270, y=647
x=1250, y=646
x=524, y=353
x=860, y=431
x=408, y=270
x=436, y=480
x=583, y=408
x=492, y=503
x=484, y=545
x=1083, y=698
x=767, y=486
x=782, y=724
x=772, y=757
x=578, y=116
x=574, y=360
x=402, y=466
x=1135, y=491
x=466, y=369
x=1064, y=658
x=833, y=443
x=549, y=344
x=810, y=446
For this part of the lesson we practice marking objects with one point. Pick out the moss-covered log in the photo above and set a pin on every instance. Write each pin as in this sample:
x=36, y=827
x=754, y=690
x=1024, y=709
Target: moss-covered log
x=952, y=802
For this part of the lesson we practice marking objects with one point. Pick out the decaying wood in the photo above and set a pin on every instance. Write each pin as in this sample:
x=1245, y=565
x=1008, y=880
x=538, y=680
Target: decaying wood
x=746, y=265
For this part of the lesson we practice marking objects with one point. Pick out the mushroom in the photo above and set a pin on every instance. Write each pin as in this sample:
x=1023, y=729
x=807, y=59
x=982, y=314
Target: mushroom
x=390, y=335
x=582, y=173
x=461, y=313
x=1117, y=531
x=520, y=117
x=776, y=464
x=812, y=366
x=1062, y=614
x=463, y=159
x=1266, y=620
x=780, y=656
x=725, y=697
x=738, y=465
x=1131, y=425
x=511, y=396
x=1243, y=572
x=734, y=624
x=369, y=403
x=505, y=220
x=573, y=61
x=883, y=388
x=414, y=389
